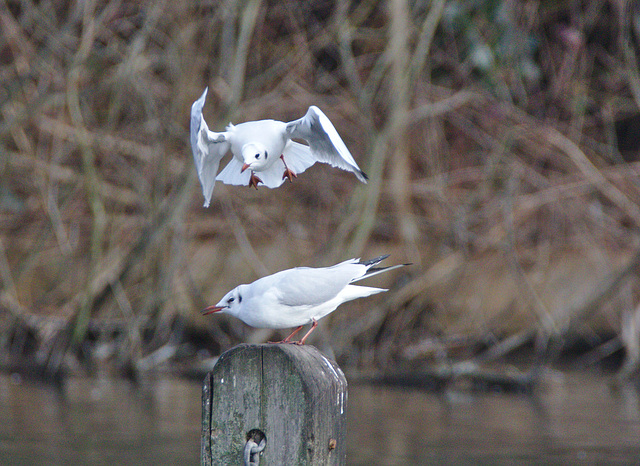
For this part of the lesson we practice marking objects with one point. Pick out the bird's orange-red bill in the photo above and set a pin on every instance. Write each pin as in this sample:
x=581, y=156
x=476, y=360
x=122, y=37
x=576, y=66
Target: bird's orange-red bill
x=211, y=310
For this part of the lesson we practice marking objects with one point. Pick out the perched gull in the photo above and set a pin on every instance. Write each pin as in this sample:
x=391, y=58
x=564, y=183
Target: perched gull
x=265, y=147
x=299, y=296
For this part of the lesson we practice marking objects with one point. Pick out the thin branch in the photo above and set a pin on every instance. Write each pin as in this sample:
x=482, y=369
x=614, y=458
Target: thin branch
x=590, y=171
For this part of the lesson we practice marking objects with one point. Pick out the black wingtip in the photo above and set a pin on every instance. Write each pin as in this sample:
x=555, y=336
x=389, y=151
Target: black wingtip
x=375, y=260
x=371, y=270
x=364, y=176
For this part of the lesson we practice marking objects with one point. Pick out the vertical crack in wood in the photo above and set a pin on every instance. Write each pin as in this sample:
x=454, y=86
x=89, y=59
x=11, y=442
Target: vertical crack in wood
x=207, y=416
x=263, y=401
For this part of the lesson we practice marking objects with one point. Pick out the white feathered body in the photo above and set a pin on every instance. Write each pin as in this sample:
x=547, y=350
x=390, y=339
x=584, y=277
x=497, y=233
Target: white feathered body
x=271, y=134
x=297, y=296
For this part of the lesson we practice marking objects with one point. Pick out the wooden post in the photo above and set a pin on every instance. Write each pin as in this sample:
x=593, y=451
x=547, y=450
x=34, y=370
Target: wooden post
x=291, y=394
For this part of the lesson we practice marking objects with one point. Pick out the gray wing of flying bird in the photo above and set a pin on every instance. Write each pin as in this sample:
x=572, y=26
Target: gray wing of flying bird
x=208, y=148
x=325, y=142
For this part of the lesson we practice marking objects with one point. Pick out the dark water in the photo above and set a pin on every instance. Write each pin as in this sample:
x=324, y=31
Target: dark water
x=102, y=421
x=575, y=419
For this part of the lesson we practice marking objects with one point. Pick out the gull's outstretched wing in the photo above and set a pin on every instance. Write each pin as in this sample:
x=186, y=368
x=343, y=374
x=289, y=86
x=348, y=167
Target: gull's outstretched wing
x=325, y=142
x=207, y=147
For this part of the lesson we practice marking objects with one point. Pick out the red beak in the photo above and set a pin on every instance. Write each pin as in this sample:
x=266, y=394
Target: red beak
x=244, y=167
x=211, y=309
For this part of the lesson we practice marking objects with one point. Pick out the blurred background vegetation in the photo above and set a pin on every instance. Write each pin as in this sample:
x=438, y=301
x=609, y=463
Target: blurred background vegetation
x=500, y=137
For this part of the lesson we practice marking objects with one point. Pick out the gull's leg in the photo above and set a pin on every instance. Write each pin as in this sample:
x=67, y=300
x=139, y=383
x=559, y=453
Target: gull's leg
x=254, y=180
x=288, y=339
x=287, y=173
x=313, y=327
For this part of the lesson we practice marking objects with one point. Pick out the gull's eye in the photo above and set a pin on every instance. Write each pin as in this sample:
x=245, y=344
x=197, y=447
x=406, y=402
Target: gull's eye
x=257, y=156
x=230, y=300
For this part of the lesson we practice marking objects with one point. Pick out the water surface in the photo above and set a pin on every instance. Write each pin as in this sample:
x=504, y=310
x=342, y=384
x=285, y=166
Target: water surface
x=576, y=418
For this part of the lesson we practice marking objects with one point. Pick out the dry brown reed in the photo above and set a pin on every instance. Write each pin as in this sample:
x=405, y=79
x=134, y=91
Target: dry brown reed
x=500, y=139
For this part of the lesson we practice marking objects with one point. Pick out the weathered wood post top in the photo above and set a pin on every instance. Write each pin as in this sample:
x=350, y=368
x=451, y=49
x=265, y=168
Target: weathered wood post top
x=280, y=404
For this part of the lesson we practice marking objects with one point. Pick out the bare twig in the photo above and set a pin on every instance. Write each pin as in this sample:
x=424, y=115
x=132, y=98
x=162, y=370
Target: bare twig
x=592, y=173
